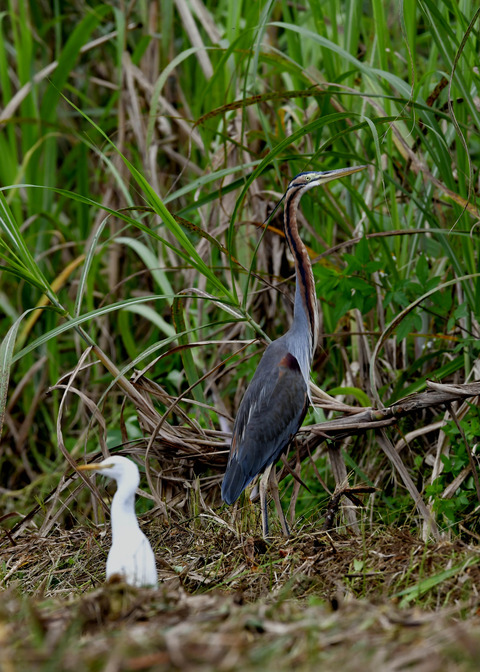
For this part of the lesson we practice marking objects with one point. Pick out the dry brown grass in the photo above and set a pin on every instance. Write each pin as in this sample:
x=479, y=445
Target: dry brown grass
x=380, y=598
x=234, y=603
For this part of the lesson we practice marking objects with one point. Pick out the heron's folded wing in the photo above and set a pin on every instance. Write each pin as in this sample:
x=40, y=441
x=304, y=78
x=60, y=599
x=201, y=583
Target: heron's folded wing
x=269, y=416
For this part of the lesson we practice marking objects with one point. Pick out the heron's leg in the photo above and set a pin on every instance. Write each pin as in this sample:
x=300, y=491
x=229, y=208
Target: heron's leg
x=263, y=499
x=278, y=504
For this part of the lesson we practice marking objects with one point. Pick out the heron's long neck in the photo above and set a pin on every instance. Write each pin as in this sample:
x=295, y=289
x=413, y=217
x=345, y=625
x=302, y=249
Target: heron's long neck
x=304, y=329
x=122, y=514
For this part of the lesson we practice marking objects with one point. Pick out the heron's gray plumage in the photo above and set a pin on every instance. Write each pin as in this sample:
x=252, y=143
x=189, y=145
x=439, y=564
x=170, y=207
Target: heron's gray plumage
x=276, y=401
x=269, y=416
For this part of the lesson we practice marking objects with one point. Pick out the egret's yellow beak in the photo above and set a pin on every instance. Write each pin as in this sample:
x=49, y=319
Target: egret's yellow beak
x=94, y=467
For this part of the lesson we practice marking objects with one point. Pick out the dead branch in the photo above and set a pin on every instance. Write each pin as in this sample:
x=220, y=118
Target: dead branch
x=437, y=394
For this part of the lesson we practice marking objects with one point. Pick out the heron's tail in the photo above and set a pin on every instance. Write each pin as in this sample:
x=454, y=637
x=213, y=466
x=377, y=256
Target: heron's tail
x=234, y=482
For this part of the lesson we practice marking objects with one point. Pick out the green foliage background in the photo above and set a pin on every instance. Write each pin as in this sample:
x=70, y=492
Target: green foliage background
x=141, y=148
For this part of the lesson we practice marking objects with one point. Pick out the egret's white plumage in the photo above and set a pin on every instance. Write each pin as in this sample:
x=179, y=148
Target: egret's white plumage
x=130, y=555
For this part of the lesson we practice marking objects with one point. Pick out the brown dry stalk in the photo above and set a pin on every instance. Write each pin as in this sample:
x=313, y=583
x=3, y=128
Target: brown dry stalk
x=437, y=394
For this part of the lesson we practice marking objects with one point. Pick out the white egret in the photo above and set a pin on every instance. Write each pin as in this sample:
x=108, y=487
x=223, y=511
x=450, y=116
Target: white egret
x=130, y=555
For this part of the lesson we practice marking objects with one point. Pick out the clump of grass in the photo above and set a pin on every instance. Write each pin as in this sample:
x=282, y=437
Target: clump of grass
x=239, y=605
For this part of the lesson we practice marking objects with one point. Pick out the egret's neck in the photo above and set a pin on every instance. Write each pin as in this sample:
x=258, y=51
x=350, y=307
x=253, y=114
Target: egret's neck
x=123, y=511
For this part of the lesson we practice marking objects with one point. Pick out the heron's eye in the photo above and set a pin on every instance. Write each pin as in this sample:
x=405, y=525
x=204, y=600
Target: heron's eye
x=308, y=178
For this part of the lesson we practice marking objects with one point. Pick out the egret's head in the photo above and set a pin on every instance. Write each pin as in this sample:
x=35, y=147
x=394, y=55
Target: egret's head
x=117, y=467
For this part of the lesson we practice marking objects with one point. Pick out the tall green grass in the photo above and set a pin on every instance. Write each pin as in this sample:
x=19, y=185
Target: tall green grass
x=139, y=155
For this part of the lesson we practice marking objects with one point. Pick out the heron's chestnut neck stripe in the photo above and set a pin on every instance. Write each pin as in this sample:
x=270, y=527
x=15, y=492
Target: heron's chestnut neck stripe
x=303, y=267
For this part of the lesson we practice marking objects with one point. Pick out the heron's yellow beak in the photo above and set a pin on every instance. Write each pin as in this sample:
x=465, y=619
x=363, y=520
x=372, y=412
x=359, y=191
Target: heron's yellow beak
x=328, y=175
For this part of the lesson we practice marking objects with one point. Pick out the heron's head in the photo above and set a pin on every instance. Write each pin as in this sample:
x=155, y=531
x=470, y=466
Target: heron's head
x=305, y=181
x=314, y=178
